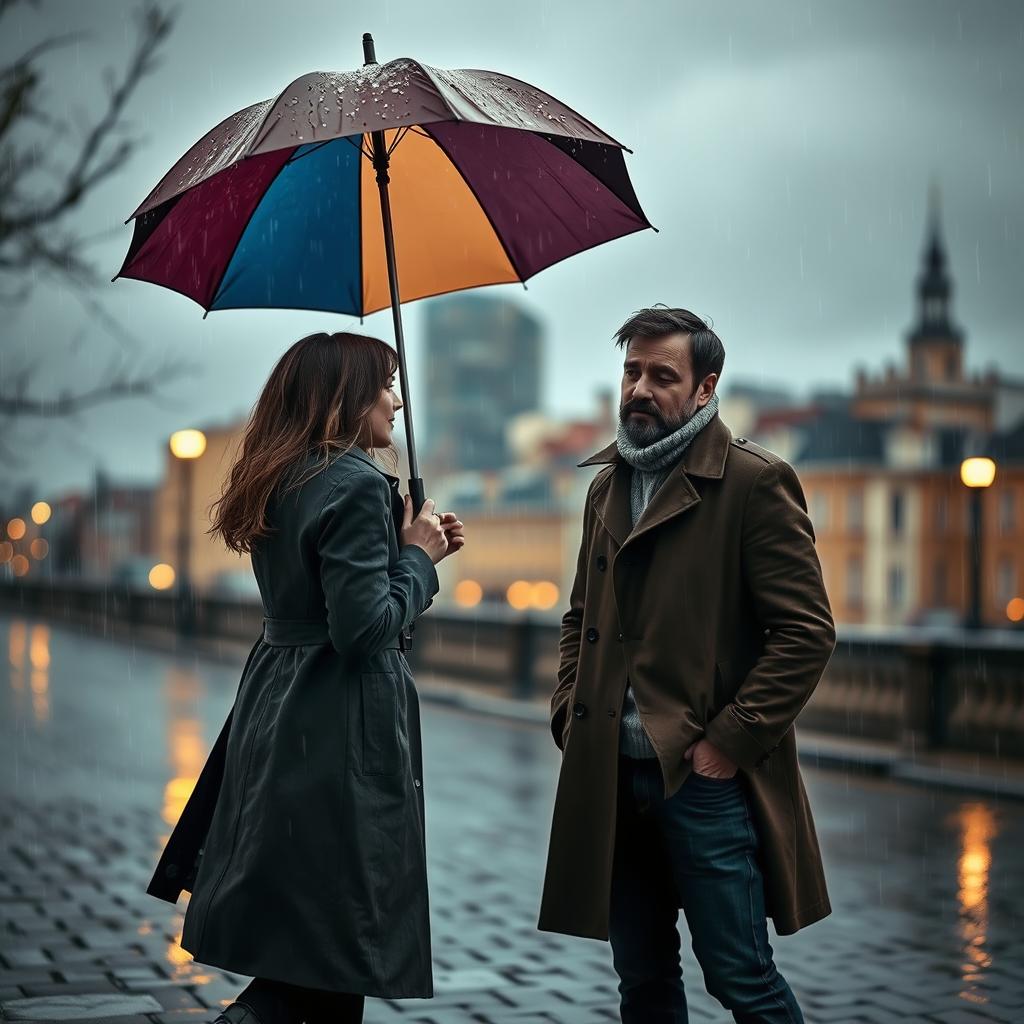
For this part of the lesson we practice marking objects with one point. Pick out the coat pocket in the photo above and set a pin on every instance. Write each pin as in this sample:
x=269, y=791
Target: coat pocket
x=382, y=745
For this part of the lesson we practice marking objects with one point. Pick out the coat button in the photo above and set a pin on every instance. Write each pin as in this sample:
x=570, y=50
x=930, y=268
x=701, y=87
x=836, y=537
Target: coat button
x=579, y=709
x=741, y=440
x=612, y=712
x=602, y=563
x=417, y=783
x=592, y=634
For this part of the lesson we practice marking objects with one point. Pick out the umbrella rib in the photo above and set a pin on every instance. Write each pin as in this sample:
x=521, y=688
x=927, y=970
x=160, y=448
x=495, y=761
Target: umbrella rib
x=295, y=158
x=402, y=132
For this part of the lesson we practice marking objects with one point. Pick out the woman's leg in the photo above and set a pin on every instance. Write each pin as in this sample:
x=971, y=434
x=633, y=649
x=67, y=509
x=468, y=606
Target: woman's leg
x=277, y=1002
x=332, y=1007
x=274, y=1002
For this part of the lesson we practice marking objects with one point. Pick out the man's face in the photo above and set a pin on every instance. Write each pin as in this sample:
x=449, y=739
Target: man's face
x=659, y=393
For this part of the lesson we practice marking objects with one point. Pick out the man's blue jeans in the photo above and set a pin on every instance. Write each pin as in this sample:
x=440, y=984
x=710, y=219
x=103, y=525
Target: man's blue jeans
x=697, y=849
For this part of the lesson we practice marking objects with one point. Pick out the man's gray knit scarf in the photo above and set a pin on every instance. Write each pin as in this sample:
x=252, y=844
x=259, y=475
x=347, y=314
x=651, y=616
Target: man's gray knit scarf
x=653, y=462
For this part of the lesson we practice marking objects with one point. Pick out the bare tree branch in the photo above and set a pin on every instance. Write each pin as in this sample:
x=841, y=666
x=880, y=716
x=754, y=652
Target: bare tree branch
x=38, y=240
x=119, y=385
x=93, y=162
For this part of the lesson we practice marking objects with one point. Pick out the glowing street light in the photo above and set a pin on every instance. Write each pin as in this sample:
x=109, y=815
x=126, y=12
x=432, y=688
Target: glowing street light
x=976, y=473
x=468, y=593
x=186, y=446
x=16, y=528
x=161, y=576
x=41, y=513
x=544, y=595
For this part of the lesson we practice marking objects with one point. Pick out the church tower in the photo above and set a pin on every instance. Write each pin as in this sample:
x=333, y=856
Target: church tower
x=934, y=344
x=932, y=389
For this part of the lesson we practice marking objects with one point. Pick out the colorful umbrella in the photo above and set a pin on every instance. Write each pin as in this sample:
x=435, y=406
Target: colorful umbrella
x=479, y=179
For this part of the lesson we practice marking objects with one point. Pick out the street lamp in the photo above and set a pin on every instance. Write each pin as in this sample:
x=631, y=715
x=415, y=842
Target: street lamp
x=186, y=447
x=976, y=474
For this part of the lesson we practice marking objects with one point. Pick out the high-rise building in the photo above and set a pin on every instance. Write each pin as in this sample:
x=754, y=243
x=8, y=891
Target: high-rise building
x=483, y=367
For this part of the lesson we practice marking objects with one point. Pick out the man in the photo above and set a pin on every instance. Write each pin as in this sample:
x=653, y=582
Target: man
x=698, y=626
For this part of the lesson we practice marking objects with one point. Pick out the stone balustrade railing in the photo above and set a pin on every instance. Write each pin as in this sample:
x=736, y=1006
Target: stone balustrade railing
x=920, y=688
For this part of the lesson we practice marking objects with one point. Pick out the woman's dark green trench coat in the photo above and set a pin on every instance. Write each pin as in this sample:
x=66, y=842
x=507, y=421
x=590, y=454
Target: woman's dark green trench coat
x=302, y=843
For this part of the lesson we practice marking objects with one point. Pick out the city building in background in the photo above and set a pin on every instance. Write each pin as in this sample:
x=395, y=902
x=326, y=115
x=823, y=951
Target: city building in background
x=106, y=534
x=116, y=528
x=482, y=368
x=525, y=519
x=881, y=470
x=212, y=567
x=900, y=535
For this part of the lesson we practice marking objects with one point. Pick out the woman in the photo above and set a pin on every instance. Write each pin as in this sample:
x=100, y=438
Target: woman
x=311, y=875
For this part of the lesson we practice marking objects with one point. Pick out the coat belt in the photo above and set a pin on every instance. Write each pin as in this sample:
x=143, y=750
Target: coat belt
x=300, y=632
x=295, y=632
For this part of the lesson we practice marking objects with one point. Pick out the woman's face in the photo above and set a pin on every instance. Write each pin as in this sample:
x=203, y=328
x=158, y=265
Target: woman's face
x=380, y=422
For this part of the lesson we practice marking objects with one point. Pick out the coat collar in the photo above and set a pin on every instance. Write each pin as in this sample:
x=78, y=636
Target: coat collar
x=358, y=453
x=704, y=457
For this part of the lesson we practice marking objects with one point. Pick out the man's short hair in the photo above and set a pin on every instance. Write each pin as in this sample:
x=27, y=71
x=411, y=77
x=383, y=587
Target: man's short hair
x=656, y=321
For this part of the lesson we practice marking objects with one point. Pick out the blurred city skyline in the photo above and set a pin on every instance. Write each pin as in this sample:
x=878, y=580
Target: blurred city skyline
x=798, y=228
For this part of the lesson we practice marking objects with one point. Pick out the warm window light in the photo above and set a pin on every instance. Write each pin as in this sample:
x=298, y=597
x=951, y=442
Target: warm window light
x=16, y=529
x=522, y=595
x=468, y=593
x=188, y=444
x=6, y=551
x=19, y=563
x=39, y=548
x=41, y=512
x=977, y=472
x=1015, y=609
x=544, y=595
x=519, y=595
x=161, y=576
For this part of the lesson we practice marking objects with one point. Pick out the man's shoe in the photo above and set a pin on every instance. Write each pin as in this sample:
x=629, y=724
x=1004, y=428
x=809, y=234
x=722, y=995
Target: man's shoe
x=237, y=1013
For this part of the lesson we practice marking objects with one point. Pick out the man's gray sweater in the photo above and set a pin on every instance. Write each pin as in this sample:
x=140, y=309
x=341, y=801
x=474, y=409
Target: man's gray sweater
x=651, y=467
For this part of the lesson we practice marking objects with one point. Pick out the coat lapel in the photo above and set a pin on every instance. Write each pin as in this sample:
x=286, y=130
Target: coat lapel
x=397, y=501
x=705, y=457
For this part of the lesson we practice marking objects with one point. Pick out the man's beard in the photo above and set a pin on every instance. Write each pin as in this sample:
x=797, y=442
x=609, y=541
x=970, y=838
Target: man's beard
x=642, y=431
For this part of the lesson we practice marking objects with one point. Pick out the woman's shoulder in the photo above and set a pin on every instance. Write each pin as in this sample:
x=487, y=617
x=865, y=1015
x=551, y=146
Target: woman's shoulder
x=350, y=471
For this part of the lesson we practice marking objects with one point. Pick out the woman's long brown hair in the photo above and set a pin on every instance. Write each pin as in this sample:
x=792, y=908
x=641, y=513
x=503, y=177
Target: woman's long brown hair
x=316, y=398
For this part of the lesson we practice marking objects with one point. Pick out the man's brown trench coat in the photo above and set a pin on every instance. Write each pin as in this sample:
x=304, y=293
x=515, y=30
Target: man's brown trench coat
x=713, y=607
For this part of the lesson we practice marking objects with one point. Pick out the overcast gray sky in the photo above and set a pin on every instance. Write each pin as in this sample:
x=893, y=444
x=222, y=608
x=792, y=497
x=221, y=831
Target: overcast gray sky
x=784, y=149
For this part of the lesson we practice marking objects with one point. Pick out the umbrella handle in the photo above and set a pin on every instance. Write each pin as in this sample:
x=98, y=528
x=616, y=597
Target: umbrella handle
x=416, y=493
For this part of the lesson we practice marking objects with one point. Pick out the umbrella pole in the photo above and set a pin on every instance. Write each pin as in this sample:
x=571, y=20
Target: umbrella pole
x=380, y=164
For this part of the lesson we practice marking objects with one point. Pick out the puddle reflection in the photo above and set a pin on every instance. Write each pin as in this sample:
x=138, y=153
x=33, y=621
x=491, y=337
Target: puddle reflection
x=17, y=635
x=187, y=752
x=977, y=830
x=39, y=681
x=185, y=745
x=28, y=655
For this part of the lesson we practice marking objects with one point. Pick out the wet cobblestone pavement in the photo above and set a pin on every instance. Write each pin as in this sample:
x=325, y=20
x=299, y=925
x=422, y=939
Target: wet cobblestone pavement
x=100, y=745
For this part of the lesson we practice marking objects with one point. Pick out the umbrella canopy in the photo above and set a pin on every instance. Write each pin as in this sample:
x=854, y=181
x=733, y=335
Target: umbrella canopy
x=490, y=181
